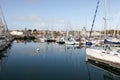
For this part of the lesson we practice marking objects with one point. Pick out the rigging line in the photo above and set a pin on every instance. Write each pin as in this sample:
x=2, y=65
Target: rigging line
x=4, y=19
x=94, y=18
x=105, y=19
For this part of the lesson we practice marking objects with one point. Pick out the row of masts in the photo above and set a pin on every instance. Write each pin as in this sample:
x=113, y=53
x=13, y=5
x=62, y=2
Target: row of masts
x=108, y=55
x=5, y=38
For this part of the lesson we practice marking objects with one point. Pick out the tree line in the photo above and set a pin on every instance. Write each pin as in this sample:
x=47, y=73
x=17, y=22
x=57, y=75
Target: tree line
x=111, y=32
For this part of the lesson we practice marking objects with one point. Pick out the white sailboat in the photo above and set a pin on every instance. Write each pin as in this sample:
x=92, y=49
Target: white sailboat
x=107, y=55
x=5, y=38
x=70, y=40
x=110, y=57
x=115, y=40
x=50, y=37
x=61, y=40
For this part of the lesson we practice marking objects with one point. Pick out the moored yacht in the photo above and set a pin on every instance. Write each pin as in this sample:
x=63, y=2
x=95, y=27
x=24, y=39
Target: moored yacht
x=50, y=39
x=108, y=56
x=72, y=41
x=61, y=40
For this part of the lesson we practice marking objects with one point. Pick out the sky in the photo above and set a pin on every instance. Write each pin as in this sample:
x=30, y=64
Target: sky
x=59, y=14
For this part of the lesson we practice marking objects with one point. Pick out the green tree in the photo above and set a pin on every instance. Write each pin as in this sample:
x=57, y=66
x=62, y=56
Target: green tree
x=29, y=30
x=35, y=30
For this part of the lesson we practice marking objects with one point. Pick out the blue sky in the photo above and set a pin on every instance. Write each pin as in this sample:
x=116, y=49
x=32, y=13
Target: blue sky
x=56, y=14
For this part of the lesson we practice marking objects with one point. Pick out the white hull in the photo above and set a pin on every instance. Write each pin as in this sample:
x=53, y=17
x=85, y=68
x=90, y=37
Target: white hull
x=112, y=58
x=42, y=39
x=72, y=42
x=69, y=43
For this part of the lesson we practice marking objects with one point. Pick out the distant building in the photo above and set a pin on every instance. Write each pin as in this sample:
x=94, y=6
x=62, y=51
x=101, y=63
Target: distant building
x=83, y=33
x=26, y=32
x=94, y=34
x=17, y=33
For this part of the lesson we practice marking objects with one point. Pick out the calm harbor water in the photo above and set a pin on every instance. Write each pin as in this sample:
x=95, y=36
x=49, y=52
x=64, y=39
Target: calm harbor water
x=52, y=62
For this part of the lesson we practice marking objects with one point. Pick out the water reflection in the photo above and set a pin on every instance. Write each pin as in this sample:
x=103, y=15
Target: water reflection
x=51, y=62
x=4, y=57
x=25, y=41
x=1, y=55
x=102, y=72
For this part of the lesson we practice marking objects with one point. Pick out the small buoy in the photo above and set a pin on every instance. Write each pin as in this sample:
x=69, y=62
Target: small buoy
x=38, y=49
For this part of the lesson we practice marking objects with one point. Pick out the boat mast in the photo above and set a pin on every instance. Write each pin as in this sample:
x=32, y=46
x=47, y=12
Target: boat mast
x=115, y=31
x=3, y=17
x=104, y=18
x=67, y=33
x=94, y=19
x=115, y=34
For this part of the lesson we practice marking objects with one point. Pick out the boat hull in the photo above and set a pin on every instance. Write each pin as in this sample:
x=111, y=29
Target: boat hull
x=50, y=40
x=61, y=42
x=105, y=58
x=111, y=42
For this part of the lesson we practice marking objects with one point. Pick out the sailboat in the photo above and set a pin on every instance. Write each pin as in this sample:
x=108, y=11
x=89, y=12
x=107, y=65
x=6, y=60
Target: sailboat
x=61, y=40
x=113, y=41
x=90, y=42
x=50, y=38
x=106, y=55
x=5, y=38
x=70, y=40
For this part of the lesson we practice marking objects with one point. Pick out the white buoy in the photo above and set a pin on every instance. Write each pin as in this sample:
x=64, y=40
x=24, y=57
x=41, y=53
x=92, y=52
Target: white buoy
x=38, y=49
